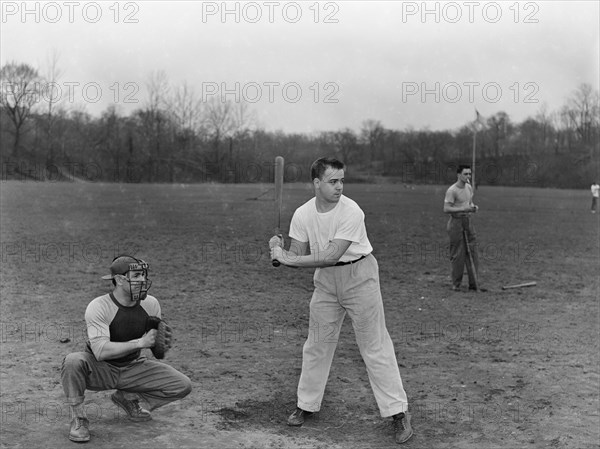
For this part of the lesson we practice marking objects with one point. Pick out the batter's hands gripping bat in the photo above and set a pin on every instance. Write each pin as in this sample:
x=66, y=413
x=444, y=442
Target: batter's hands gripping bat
x=278, y=200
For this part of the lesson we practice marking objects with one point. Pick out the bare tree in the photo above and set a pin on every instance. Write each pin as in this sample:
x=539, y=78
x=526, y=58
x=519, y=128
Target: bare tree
x=372, y=135
x=185, y=107
x=19, y=93
x=554, y=123
x=185, y=111
x=52, y=95
x=154, y=117
x=158, y=89
x=110, y=140
x=530, y=136
x=499, y=127
x=346, y=144
x=544, y=118
x=566, y=127
x=583, y=112
x=243, y=120
x=220, y=124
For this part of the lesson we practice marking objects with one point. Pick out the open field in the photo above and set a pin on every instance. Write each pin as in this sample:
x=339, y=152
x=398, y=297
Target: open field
x=499, y=369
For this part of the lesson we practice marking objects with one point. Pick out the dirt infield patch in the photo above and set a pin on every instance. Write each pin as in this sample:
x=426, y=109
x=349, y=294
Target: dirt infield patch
x=499, y=369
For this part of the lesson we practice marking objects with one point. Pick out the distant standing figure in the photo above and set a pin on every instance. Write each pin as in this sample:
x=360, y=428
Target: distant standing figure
x=595, y=189
x=459, y=204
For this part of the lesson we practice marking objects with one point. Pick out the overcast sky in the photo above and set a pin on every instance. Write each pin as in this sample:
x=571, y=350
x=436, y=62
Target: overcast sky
x=311, y=66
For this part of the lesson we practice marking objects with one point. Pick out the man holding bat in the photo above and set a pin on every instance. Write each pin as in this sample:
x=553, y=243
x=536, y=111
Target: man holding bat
x=458, y=203
x=328, y=233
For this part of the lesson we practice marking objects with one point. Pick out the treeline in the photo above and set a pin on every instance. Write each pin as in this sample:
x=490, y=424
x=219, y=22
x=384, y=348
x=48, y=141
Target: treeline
x=173, y=137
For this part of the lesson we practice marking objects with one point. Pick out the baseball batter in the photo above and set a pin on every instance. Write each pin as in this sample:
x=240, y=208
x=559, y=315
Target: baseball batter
x=119, y=325
x=328, y=233
x=458, y=203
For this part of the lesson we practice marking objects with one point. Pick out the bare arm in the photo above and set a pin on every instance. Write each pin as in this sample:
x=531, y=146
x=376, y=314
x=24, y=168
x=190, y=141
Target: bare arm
x=297, y=255
x=449, y=209
x=298, y=248
x=116, y=349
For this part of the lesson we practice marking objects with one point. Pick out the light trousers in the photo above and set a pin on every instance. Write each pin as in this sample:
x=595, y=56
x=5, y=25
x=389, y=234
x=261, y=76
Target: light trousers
x=353, y=289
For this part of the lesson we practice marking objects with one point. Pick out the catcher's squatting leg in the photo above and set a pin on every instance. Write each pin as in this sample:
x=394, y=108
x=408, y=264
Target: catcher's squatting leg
x=155, y=382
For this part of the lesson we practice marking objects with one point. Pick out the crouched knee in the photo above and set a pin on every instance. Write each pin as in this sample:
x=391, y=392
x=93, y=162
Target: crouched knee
x=74, y=361
x=186, y=386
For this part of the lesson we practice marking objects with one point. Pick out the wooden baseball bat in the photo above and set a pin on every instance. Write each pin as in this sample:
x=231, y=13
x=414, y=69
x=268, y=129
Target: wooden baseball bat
x=278, y=199
x=524, y=284
x=471, y=269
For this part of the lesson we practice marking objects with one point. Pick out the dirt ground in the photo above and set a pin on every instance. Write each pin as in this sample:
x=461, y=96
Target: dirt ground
x=498, y=369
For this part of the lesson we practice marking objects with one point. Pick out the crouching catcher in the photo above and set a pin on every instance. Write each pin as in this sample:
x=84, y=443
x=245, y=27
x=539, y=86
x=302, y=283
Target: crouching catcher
x=120, y=324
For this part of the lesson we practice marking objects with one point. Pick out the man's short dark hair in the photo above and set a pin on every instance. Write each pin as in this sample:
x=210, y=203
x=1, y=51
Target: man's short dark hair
x=320, y=166
x=462, y=167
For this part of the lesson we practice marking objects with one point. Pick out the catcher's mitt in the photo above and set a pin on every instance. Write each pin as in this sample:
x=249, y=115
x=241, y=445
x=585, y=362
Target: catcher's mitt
x=152, y=322
x=162, y=343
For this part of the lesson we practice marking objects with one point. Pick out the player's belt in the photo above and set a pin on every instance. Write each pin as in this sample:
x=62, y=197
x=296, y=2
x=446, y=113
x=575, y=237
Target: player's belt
x=350, y=262
x=461, y=214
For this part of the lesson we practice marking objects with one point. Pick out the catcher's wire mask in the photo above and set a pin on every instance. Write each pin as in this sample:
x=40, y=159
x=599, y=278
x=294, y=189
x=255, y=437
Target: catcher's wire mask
x=137, y=277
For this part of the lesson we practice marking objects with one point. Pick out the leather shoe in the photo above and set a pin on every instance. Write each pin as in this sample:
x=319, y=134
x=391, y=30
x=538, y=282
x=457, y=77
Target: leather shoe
x=402, y=427
x=131, y=407
x=80, y=430
x=297, y=418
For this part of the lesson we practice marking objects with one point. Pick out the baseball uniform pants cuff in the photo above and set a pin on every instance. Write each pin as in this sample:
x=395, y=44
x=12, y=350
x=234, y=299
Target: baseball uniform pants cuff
x=309, y=407
x=394, y=411
x=75, y=401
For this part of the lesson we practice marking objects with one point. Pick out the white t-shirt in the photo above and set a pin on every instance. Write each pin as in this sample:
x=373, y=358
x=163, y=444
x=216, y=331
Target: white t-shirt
x=346, y=221
x=455, y=196
x=595, y=189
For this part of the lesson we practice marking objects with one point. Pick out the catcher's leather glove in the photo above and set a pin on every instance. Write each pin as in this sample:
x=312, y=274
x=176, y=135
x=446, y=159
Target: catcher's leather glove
x=163, y=340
